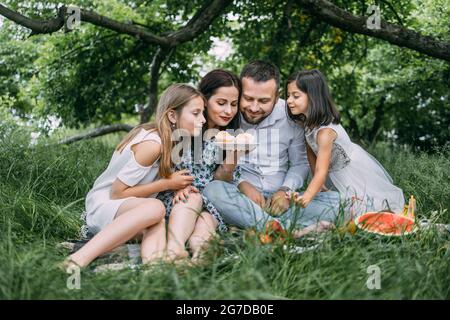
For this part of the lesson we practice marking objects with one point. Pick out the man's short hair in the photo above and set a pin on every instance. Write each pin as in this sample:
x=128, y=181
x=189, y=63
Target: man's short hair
x=261, y=71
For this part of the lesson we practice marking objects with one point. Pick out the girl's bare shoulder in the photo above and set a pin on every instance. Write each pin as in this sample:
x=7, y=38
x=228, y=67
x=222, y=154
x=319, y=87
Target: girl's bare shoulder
x=146, y=152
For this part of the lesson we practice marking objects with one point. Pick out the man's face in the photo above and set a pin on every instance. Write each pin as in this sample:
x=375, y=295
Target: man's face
x=258, y=99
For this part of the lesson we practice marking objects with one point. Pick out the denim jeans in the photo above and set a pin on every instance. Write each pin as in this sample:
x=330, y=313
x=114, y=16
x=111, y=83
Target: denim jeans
x=238, y=210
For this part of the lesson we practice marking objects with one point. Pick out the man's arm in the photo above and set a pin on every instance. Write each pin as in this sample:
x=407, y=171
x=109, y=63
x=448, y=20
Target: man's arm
x=296, y=174
x=298, y=161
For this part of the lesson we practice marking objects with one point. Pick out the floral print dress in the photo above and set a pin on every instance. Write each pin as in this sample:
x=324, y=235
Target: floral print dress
x=203, y=173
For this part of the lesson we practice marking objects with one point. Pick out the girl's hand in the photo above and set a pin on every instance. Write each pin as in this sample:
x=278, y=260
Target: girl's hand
x=183, y=194
x=302, y=200
x=179, y=180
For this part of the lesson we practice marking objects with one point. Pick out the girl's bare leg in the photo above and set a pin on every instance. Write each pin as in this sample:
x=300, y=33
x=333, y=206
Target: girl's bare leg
x=153, y=245
x=181, y=225
x=205, y=229
x=133, y=217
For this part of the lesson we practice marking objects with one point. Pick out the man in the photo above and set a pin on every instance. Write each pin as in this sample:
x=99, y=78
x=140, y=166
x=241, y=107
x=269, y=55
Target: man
x=278, y=165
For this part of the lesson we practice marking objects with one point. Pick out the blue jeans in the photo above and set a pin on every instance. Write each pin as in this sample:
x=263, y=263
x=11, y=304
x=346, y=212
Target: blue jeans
x=238, y=210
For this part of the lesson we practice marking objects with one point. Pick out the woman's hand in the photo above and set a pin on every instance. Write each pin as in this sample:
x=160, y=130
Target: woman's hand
x=179, y=180
x=300, y=199
x=183, y=194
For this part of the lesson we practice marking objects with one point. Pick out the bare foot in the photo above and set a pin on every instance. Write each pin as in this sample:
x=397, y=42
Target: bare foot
x=199, y=258
x=176, y=255
x=154, y=258
x=69, y=264
x=321, y=226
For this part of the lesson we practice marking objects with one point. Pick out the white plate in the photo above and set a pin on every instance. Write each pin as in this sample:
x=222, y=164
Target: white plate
x=236, y=146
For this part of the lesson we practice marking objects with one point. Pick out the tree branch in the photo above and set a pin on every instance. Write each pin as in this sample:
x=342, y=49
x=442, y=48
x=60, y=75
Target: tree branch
x=36, y=26
x=98, y=132
x=392, y=33
x=201, y=20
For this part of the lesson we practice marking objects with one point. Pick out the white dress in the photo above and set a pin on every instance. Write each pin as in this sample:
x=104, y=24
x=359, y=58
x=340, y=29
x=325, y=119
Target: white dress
x=363, y=183
x=100, y=208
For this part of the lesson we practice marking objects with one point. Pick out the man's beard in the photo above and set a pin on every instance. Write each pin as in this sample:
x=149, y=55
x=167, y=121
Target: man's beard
x=255, y=121
x=260, y=119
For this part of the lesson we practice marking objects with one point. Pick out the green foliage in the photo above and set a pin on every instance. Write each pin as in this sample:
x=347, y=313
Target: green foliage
x=93, y=76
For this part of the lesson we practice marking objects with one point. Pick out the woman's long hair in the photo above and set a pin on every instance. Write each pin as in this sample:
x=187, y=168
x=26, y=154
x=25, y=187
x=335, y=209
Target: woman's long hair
x=321, y=108
x=174, y=98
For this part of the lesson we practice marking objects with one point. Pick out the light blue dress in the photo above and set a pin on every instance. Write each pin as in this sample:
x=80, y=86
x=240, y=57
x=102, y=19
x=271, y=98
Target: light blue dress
x=362, y=182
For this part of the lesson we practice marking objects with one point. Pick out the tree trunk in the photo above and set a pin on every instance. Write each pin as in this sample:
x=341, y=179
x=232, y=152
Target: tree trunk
x=147, y=112
x=379, y=114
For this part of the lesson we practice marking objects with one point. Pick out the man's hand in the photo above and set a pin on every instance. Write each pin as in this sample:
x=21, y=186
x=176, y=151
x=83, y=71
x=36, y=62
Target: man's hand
x=252, y=193
x=278, y=204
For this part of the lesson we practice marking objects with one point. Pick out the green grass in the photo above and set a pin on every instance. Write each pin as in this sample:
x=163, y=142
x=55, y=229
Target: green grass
x=42, y=192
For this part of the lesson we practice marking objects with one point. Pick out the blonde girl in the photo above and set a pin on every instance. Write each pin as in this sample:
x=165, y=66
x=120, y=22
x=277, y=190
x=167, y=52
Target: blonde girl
x=122, y=205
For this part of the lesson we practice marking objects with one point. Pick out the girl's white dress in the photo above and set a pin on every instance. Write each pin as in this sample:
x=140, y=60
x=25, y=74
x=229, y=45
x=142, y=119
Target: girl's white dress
x=100, y=208
x=363, y=183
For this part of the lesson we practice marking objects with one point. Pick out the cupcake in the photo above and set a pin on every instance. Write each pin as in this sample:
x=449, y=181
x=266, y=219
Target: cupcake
x=224, y=137
x=244, y=138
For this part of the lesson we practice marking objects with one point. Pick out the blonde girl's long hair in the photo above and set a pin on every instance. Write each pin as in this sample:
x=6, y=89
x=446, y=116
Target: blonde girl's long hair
x=174, y=98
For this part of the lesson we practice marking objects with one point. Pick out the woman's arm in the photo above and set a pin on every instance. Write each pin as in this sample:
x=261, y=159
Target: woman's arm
x=121, y=190
x=146, y=153
x=325, y=139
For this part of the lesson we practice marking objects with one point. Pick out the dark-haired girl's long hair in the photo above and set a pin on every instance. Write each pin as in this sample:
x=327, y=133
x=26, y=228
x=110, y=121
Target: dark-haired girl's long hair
x=321, y=108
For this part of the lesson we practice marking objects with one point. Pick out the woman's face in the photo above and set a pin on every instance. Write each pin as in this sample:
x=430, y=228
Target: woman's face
x=297, y=100
x=222, y=107
x=191, y=118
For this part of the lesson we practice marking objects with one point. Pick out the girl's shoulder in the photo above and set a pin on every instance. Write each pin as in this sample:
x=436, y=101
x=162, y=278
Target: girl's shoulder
x=148, y=135
x=146, y=153
x=337, y=128
x=146, y=147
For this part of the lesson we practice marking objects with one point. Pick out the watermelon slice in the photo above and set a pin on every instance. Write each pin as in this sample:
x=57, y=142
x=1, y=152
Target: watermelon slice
x=385, y=223
x=389, y=223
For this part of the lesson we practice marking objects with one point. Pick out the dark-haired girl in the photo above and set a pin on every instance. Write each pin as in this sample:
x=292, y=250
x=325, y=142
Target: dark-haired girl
x=362, y=182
